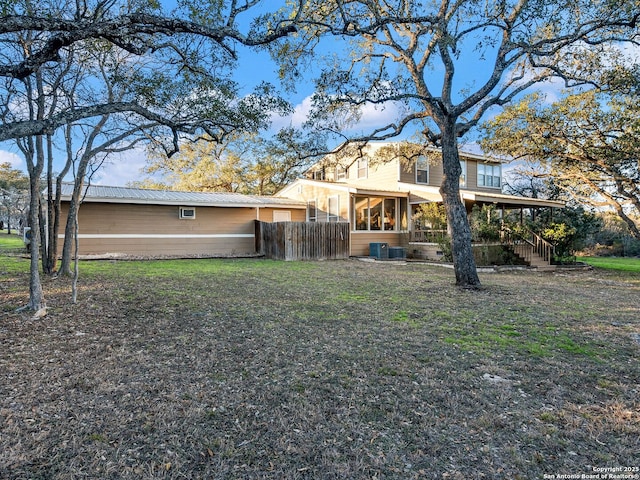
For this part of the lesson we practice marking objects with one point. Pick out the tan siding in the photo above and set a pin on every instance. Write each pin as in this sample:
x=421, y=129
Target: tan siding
x=360, y=241
x=408, y=173
x=297, y=215
x=381, y=175
x=436, y=174
x=472, y=175
x=127, y=219
x=153, y=246
x=159, y=219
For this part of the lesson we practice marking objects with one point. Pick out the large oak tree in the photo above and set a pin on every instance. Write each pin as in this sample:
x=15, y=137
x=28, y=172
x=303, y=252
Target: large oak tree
x=588, y=143
x=413, y=58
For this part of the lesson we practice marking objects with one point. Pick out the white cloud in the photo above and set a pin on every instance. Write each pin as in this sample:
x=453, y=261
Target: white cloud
x=296, y=119
x=119, y=170
x=13, y=159
x=372, y=116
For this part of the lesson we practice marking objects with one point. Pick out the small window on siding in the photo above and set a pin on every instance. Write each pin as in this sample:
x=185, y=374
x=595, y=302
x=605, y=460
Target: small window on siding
x=187, y=213
x=341, y=173
x=422, y=170
x=363, y=167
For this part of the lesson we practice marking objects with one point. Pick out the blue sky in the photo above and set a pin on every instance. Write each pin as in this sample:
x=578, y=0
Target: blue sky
x=252, y=69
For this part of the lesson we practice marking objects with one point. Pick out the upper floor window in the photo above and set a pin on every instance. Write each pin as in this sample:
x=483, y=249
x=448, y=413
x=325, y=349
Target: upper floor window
x=463, y=175
x=341, y=173
x=422, y=170
x=363, y=167
x=489, y=175
x=318, y=174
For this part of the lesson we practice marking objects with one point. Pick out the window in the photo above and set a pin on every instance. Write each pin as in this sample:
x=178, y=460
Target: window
x=489, y=175
x=341, y=173
x=312, y=211
x=333, y=215
x=389, y=218
x=376, y=213
x=363, y=167
x=463, y=176
x=361, y=215
x=422, y=170
x=318, y=174
x=187, y=213
x=281, y=216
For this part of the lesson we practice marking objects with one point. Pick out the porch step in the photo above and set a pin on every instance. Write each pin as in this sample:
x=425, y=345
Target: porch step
x=533, y=259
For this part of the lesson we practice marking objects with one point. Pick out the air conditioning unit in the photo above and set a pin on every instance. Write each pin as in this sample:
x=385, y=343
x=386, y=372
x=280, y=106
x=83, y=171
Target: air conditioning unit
x=187, y=213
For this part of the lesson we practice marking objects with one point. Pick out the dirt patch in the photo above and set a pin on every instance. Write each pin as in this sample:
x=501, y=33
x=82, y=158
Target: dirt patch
x=346, y=369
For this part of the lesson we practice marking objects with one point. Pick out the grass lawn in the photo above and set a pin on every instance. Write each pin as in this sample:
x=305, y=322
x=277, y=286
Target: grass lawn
x=10, y=242
x=235, y=369
x=614, y=263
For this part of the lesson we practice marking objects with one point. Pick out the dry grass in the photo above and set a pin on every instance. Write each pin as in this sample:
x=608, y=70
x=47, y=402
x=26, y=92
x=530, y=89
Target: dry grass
x=258, y=369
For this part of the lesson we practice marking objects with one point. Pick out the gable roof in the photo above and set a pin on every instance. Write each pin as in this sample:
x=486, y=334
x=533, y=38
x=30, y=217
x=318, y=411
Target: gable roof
x=341, y=186
x=106, y=194
x=373, y=146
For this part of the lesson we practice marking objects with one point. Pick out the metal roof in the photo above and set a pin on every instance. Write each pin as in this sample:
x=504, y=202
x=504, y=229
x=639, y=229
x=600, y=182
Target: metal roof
x=102, y=193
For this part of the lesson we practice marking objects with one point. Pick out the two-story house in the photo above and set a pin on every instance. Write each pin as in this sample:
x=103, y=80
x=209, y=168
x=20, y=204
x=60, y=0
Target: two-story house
x=378, y=193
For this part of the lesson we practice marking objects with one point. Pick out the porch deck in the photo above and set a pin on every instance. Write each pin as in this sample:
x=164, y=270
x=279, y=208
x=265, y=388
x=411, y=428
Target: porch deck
x=528, y=246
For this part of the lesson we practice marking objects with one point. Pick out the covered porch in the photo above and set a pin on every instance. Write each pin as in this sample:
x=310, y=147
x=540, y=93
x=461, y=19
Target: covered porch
x=506, y=245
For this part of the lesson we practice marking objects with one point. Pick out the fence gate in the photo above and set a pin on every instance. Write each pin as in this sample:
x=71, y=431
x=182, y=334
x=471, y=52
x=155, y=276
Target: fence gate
x=303, y=240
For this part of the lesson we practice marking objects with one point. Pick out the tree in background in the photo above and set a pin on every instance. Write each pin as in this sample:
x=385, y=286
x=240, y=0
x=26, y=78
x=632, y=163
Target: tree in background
x=587, y=143
x=183, y=86
x=612, y=238
x=410, y=57
x=243, y=163
x=14, y=196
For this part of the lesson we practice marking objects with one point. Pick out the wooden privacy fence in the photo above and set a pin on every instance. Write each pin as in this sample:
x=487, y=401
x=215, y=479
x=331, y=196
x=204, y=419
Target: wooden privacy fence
x=303, y=240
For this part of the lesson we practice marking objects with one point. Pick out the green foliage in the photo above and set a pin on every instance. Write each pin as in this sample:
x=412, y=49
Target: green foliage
x=485, y=223
x=431, y=215
x=561, y=236
x=12, y=178
x=568, y=229
x=612, y=238
x=243, y=163
x=587, y=143
x=446, y=246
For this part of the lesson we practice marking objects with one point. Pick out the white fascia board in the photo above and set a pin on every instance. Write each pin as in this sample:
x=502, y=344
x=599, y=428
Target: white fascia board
x=187, y=203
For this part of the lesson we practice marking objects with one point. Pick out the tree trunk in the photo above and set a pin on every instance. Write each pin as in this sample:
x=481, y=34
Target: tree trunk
x=53, y=214
x=70, y=227
x=464, y=263
x=67, y=244
x=36, y=295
